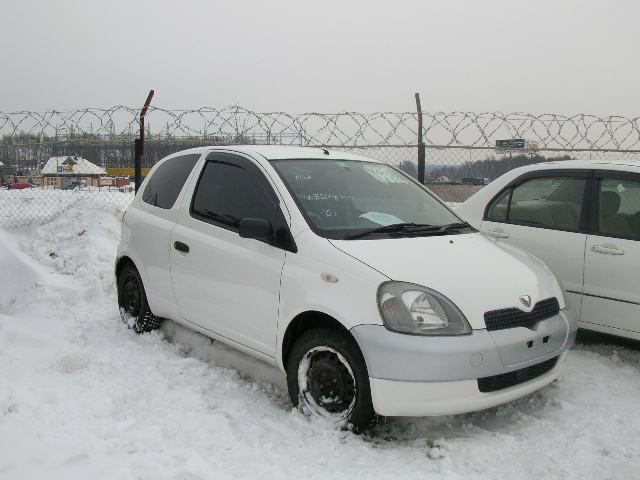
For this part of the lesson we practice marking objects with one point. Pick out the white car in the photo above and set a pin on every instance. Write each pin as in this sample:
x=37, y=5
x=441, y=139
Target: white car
x=582, y=218
x=367, y=291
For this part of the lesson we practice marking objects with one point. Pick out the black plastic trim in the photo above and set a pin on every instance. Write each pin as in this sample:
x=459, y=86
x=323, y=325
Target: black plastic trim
x=181, y=246
x=517, y=377
x=514, y=317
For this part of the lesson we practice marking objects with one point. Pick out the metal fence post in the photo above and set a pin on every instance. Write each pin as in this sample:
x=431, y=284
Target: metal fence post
x=138, y=144
x=421, y=147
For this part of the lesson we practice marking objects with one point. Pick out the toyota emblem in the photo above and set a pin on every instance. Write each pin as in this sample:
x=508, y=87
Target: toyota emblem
x=525, y=300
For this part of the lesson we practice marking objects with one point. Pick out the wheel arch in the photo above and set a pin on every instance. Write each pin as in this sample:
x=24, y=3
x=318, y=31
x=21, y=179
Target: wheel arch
x=305, y=321
x=122, y=261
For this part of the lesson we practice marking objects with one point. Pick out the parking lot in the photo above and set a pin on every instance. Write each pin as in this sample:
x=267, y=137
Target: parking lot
x=81, y=396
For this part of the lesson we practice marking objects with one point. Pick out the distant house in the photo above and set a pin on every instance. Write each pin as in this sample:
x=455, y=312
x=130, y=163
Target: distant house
x=64, y=172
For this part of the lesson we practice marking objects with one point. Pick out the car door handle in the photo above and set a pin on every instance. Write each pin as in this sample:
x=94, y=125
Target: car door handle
x=181, y=247
x=607, y=249
x=497, y=234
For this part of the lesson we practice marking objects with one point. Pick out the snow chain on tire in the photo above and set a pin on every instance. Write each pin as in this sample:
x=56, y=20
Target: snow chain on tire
x=147, y=323
x=142, y=320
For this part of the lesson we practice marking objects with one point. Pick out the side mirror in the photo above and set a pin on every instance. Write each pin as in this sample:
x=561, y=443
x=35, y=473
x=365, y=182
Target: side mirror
x=258, y=228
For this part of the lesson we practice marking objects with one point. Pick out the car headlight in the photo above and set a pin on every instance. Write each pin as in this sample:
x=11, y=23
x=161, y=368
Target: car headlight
x=413, y=309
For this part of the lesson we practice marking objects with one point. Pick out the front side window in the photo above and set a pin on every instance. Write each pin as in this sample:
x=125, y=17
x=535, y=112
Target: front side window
x=167, y=181
x=341, y=199
x=550, y=202
x=498, y=209
x=227, y=193
x=619, y=208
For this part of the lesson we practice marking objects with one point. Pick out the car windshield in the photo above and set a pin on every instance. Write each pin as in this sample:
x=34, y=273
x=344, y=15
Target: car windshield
x=355, y=199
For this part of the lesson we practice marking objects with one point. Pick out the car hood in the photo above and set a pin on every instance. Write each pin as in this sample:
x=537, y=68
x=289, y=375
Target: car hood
x=475, y=272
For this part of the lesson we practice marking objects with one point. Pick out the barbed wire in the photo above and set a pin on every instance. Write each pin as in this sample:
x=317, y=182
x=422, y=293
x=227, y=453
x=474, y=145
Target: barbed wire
x=461, y=146
x=233, y=124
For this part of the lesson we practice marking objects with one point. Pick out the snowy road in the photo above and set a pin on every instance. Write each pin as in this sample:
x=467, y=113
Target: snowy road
x=83, y=397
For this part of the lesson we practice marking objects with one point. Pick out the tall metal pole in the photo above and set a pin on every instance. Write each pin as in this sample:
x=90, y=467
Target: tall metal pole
x=421, y=147
x=138, y=145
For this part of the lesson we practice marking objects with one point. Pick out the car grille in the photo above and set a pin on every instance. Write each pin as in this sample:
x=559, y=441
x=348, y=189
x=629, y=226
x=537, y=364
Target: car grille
x=506, y=380
x=514, y=317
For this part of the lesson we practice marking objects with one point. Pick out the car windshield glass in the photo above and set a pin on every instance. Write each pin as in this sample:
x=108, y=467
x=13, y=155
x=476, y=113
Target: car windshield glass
x=345, y=199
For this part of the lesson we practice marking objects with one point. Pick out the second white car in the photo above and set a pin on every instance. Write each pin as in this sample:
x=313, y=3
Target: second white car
x=583, y=220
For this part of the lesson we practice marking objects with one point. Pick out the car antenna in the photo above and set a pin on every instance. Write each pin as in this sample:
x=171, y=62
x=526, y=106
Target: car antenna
x=325, y=151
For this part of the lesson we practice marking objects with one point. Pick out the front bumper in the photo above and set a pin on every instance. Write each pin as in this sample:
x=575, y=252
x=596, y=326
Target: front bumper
x=417, y=399
x=431, y=375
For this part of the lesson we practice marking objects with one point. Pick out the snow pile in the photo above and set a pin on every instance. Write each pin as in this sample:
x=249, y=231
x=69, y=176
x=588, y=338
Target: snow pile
x=17, y=276
x=41, y=205
x=83, y=397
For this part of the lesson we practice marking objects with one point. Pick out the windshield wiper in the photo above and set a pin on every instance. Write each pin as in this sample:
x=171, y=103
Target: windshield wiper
x=412, y=229
x=393, y=228
x=440, y=229
x=455, y=226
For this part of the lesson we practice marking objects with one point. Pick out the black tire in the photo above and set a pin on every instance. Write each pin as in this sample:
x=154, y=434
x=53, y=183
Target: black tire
x=132, y=301
x=337, y=383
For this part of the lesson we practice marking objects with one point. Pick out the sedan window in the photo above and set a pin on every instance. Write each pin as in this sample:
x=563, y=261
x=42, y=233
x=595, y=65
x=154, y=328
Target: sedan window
x=550, y=202
x=619, y=208
x=498, y=209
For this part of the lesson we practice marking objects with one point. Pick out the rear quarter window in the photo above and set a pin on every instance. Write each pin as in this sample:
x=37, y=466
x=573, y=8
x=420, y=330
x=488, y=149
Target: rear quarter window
x=167, y=181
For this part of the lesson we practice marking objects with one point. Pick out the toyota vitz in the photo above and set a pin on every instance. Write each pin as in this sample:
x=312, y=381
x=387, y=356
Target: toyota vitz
x=368, y=292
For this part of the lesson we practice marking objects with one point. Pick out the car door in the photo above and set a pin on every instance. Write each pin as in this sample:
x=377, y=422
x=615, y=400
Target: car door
x=543, y=212
x=612, y=257
x=224, y=283
x=149, y=225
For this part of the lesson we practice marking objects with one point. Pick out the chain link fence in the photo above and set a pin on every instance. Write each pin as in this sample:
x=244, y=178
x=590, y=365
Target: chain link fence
x=43, y=154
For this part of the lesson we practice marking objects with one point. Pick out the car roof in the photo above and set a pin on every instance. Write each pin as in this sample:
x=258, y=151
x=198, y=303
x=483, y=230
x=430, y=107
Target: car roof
x=283, y=152
x=587, y=164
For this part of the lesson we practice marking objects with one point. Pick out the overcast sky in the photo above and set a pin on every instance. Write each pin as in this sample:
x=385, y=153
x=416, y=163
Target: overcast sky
x=561, y=56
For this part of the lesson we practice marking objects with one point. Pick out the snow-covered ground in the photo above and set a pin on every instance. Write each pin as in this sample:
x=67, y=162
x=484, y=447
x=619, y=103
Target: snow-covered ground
x=83, y=397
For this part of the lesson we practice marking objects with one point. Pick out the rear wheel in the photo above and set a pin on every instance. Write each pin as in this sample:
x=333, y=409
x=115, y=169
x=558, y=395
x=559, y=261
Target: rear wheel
x=327, y=377
x=132, y=300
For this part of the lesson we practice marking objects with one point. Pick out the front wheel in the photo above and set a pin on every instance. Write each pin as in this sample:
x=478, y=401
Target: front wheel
x=132, y=300
x=327, y=377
